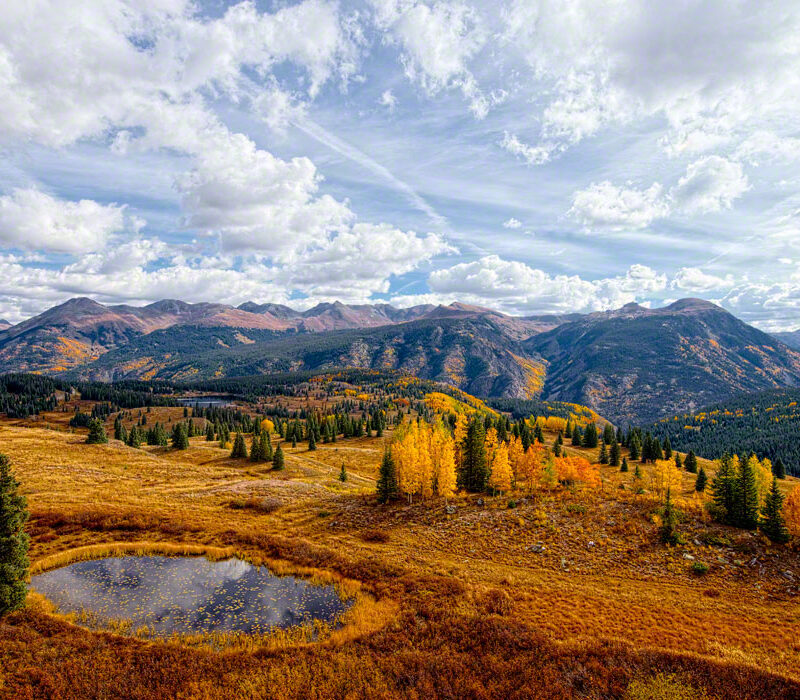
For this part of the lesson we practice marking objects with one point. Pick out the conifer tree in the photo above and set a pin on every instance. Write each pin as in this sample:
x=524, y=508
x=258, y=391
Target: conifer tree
x=255, y=449
x=608, y=434
x=312, y=442
x=576, y=436
x=294, y=440
x=691, y=463
x=97, y=433
x=603, y=458
x=387, y=478
x=265, y=444
x=123, y=434
x=209, y=433
x=614, y=455
x=180, y=440
x=656, y=451
x=13, y=541
x=668, y=449
x=779, y=469
x=624, y=466
x=678, y=462
x=700, y=482
x=634, y=448
x=239, y=450
x=590, y=436
x=723, y=491
x=475, y=469
x=161, y=435
x=343, y=473
x=747, y=505
x=277, y=460
x=133, y=438
x=117, y=428
x=772, y=522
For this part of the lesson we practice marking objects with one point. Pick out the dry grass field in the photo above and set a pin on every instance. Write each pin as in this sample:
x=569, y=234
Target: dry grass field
x=568, y=593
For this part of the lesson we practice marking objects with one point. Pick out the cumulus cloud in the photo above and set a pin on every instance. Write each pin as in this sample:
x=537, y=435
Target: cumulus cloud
x=388, y=100
x=33, y=220
x=512, y=223
x=693, y=279
x=533, y=155
x=605, y=204
x=710, y=184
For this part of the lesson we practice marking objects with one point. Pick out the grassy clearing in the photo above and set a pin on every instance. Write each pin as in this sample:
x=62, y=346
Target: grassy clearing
x=567, y=594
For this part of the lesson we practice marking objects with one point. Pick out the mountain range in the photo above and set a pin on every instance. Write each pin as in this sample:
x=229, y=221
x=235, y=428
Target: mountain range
x=633, y=364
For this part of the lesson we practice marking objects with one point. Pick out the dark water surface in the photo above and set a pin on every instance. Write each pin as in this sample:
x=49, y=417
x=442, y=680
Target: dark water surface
x=188, y=594
x=205, y=401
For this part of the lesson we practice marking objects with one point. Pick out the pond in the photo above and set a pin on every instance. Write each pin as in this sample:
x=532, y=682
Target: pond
x=188, y=595
x=205, y=401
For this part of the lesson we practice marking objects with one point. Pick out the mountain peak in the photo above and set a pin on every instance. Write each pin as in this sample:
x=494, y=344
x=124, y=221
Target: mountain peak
x=692, y=304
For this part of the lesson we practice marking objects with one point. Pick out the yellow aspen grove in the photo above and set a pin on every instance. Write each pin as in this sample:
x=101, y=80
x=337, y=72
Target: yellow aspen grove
x=531, y=465
x=763, y=473
x=791, y=512
x=446, y=471
x=268, y=426
x=424, y=466
x=459, y=434
x=516, y=455
x=500, y=476
x=404, y=452
x=555, y=424
x=491, y=446
x=666, y=477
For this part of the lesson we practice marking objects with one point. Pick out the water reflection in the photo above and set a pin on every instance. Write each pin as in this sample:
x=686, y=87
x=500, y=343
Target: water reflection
x=188, y=594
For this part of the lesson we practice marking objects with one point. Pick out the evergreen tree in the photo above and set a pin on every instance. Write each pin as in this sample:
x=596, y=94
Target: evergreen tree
x=723, y=492
x=700, y=482
x=255, y=449
x=97, y=433
x=678, y=463
x=637, y=473
x=209, y=433
x=608, y=434
x=117, y=428
x=475, y=472
x=772, y=522
x=343, y=473
x=277, y=460
x=312, y=443
x=123, y=434
x=265, y=446
x=656, y=451
x=634, y=448
x=180, y=440
x=667, y=448
x=387, y=478
x=576, y=436
x=13, y=541
x=779, y=469
x=691, y=463
x=239, y=450
x=603, y=459
x=624, y=466
x=590, y=436
x=747, y=506
x=161, y=436
x=294, y=440
x=669, y=522
x=615, y=453
x=134, y=439
x=538, y=434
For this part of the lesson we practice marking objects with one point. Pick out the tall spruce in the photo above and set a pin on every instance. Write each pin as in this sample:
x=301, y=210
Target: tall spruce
x=475, y=471
x=239, y=450
x=590, y=436
x=700, y=482
x=772, y=523
x=779, y=469
x=277, y=460
x=255, y=449
x=691, y=462
x=614, y=455
x=13, y=541
x=180, y=440
x=387, y=478
x=723, y=491
x=97, y=433
x=747, y=506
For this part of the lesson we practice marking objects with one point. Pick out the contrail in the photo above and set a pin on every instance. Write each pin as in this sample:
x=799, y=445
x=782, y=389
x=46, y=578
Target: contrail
x=325, y=137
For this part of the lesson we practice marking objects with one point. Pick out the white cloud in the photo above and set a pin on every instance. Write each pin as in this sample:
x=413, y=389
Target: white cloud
x=763, y=146
x=693, y=279
x=512, y=223
x=437, y=41
x=388, y=100
x=605, y=204
x=517, y=288
x=533, y=155
x=710, y=184
x=33, y=220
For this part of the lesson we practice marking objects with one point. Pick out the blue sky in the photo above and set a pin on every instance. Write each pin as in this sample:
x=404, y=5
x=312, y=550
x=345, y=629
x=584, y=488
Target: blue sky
x=531, y=156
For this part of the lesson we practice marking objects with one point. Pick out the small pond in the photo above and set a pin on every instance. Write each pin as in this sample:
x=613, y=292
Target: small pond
x=186, y=595
x=205, y=401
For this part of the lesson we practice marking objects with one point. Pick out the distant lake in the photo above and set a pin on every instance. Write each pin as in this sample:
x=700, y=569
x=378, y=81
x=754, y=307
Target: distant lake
x=188, y=594
x=205, y=401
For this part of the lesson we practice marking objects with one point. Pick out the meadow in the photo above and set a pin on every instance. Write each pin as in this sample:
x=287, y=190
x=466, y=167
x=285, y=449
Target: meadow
x=556, y=593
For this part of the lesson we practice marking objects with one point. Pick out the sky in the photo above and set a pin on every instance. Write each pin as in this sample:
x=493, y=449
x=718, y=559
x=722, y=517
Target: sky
x=533, y=156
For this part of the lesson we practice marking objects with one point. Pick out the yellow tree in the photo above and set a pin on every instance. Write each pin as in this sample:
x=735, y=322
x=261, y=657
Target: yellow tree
x=516, y=456
x=500, y=476
x=268, y=426
x=666, y=477
x=791, y=511
x=422, y=436
x=446, y=472
x=459, y=434
x=404, y=452
x=491, y=446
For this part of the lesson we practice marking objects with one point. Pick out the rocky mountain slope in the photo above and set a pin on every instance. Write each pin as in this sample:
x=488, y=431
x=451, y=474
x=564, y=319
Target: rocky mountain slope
x=637, y=364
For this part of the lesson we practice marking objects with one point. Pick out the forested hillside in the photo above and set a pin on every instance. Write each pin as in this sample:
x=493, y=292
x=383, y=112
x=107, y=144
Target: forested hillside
x=767, y=423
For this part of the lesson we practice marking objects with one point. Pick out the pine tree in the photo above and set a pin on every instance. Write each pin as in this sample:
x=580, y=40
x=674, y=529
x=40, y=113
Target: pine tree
x=667, y=448
x=576, y=436
x=255, y=449
x=475, y=470
x=700, y=482
x=134, y=438
x=772, y=523
x=294, y=440
x=277, y=460
x=747, y=506
x=590, y=436
x=608, y=434
x=723, y=490
x=13, y=541
x=343, y=473
x=117, y=428
x=624, y=466
x=239, y=450
x=180, y=440
x=779, y=469
x=691, y=463
x=387, y=478
x=614, y=457
x=634, y=448
x=209, y=433
x=265, y=444
x=656, y=453
x=97, y=433
x=669, y=522
x=678, y=463
x=312, y=443
x=603, y=459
